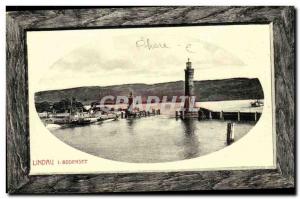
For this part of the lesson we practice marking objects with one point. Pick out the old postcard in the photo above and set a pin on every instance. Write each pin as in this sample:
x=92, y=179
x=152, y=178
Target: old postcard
x=186, y=98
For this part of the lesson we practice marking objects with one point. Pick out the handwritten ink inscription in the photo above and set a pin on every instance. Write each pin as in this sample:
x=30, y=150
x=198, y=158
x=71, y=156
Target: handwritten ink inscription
x=146, y=43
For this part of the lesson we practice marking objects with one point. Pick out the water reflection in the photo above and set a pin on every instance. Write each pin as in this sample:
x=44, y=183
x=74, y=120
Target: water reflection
x=150, y=139
x=190, y=139
x=130, y=123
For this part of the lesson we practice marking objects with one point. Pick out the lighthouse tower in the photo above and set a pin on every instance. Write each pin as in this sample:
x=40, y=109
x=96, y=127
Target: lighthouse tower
x=189, y=110
x=189, y=79
x=189, y=84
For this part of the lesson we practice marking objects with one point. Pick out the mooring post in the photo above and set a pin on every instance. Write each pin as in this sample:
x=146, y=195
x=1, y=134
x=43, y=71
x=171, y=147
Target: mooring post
x=221, y=115
x=239, y=116
x=255, y=116
x=230, y=133
x=181, y=114
x=209, y=115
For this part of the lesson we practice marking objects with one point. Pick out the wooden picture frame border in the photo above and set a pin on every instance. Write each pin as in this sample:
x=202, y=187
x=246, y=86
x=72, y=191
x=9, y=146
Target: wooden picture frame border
x=17, y=124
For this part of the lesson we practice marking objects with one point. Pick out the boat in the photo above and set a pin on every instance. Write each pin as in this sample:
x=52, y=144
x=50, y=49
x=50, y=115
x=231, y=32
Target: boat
x=59, y=119
x=53, y=126
x=83, y=121
x=77, y=118
x=257, y=103
x=107, y=117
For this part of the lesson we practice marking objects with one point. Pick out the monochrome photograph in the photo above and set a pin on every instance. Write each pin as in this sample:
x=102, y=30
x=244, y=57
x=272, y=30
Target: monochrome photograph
x=142, y=99
x=152, y=95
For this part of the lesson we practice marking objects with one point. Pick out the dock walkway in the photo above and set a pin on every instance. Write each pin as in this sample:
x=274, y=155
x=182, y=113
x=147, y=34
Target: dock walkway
x=204, y=114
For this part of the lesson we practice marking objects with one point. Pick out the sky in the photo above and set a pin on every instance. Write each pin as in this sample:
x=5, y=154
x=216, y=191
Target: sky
x=101, y=57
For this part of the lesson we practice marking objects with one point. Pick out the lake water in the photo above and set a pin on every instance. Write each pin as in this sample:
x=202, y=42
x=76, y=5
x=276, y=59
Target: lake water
x=151, y=139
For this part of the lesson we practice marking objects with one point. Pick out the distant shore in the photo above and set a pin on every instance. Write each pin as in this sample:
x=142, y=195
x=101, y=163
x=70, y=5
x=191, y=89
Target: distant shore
x=208, y=90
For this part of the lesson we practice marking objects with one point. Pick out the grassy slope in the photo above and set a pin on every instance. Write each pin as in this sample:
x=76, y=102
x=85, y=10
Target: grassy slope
x=209, y=90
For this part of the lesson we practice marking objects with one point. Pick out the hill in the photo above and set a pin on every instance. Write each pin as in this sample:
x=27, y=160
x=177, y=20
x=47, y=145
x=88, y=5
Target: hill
x=208, y=90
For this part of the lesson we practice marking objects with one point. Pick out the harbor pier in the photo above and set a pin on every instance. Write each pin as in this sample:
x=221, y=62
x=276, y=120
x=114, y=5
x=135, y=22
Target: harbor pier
x=206, y=114
x=190, y=111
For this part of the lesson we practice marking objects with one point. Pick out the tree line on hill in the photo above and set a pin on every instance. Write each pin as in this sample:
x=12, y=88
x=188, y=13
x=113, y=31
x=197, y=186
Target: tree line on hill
x=62, y=106
x=206, y=90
